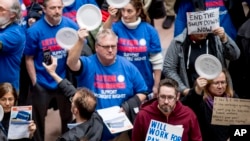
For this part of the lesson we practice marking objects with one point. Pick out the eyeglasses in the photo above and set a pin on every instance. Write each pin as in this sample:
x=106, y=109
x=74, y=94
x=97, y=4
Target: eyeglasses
x=71, y=99
x=108, y=46
x=7, y=99
x=170, y=98
x=223, y=83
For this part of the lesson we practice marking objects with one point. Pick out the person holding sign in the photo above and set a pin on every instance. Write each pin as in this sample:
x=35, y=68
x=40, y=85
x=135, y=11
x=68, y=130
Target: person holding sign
x=200, y=100
x=184, y=50
x=8, y=98
x=166, y=108
x=227, y=17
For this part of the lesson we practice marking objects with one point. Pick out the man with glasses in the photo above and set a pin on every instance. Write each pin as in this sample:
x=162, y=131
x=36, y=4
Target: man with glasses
x=41, y=41
x=166, y=108
x=113, y=79
x=12, y=42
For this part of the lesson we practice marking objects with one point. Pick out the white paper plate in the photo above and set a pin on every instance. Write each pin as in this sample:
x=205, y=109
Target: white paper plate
x=68, y=2
x=66, y=37
x=208, y=66
x=1, y=113
x=118, y=3
x=89, y=16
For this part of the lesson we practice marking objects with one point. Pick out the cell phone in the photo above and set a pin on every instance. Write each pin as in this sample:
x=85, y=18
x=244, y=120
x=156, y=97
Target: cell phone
x=47, y=57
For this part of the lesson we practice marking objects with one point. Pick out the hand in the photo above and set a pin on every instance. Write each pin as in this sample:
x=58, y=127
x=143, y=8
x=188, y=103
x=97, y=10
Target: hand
x=83, y=33
x=200, y=84
x=112, y=11
x=32, y=128
x=31, y=21
x=221, y=33
x=121, y=110
x=186, y=91
x=155, y=91
x=52, y=67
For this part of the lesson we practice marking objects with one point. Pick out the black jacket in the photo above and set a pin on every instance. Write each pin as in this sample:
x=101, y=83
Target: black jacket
x=240, y=68
x=90, y=130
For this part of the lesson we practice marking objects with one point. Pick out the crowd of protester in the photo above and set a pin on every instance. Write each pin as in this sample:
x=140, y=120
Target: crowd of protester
x=120, y=63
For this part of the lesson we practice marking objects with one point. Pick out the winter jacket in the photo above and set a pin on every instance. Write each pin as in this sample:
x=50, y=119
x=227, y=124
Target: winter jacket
x=175, y=62
x=240, y=68
x=90, y=130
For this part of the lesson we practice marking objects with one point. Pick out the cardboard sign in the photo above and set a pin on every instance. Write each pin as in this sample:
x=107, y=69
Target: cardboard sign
x=231, y=111
x=160, y=131
x=203, y=21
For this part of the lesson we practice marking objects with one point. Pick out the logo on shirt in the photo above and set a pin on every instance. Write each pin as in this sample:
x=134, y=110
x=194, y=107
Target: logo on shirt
x=109, y=82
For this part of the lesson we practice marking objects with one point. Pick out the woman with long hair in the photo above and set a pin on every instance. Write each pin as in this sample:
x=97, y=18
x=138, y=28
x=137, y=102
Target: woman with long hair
x=8, y=98
x=201, y=99
x=138, y=41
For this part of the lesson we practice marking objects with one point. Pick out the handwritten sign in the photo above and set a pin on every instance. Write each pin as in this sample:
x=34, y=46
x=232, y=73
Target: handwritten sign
x=160, y=131
x=231, y=111
x=203, y=21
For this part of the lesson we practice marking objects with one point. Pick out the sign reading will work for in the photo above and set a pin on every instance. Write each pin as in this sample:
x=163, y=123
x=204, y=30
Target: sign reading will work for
x=160, y=131
x=203, y=21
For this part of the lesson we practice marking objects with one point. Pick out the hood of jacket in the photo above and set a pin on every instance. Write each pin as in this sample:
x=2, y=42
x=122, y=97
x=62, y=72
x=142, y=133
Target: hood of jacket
x=152, y=108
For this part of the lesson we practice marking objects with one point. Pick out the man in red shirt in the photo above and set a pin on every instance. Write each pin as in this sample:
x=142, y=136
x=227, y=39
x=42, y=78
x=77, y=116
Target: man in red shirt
x=167, y=108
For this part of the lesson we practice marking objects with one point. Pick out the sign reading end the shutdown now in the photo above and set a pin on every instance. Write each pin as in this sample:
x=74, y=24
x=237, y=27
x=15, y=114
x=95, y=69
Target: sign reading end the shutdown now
x=203, y=21
x=160, y=131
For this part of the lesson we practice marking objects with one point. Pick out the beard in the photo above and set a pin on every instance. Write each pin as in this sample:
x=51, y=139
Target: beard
x=4, y=20
x=166, y=108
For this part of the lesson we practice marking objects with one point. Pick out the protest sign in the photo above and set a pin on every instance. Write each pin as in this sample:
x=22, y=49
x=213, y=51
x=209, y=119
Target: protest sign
x=19, y=122
x=203, y=21
x=160, y=131
x=231, y=111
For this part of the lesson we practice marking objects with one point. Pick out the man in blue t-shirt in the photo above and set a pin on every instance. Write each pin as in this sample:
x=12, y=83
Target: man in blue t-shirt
x=41, y=42
x=12, y=42
x=113, y=79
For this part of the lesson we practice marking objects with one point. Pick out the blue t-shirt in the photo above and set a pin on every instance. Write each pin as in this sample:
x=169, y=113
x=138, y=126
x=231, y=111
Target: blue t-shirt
x=12, y=40
x=136, y=45
x=40, y=37
x=187, y=6
x=112, y=85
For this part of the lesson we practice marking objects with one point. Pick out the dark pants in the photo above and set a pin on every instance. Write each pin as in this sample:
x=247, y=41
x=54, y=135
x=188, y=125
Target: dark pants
x=25, y=84
x=41, y=100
